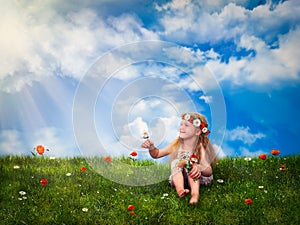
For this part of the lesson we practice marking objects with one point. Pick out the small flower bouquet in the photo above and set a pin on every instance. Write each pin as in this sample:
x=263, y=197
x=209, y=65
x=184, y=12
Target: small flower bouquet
x=187, y=163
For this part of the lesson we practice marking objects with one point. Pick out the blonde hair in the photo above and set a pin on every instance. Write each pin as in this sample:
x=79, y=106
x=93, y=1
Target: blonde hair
x=203, y=140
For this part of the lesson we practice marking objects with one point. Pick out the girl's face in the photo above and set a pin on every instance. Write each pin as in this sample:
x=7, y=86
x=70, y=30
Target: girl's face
x=187, y=130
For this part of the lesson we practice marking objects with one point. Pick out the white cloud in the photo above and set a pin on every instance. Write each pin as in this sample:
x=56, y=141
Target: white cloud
x=246, y=152
x=243, y=134
x=206, y=99
x=267, y=66
x=59, y=142
x=253, y=30
x=10, y=143
x=36, y=42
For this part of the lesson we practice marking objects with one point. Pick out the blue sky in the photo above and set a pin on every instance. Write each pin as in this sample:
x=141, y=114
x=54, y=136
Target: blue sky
x=87, y=77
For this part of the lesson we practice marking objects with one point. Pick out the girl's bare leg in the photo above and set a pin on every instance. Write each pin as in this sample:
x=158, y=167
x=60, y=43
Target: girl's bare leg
x=195, y=190
x=179, y=185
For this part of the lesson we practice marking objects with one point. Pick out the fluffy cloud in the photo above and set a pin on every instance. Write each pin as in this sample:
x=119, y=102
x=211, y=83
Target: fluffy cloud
x=243, y=134
x=38, y=42
x=267, y=66
x=266, y=32
x=207, y=99
x=10, y=142
x=60, y=143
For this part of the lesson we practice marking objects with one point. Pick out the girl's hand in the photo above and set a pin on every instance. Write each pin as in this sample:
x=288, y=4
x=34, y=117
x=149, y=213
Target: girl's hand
x=195, y=173
x=148, y=144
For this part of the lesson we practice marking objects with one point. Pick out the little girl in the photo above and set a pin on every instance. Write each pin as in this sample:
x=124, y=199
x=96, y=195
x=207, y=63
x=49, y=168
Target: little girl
x=194, y=145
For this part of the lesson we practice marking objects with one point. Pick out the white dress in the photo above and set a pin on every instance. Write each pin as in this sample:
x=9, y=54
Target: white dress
x=176, y=166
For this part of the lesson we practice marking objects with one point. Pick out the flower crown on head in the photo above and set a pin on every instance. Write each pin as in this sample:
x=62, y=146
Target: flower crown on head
x=194, y=119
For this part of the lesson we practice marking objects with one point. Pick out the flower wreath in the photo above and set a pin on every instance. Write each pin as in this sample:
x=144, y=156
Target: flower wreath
x=196, y=121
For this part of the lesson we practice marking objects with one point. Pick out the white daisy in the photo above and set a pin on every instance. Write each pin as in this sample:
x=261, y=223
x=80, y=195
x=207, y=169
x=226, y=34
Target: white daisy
x=220, y=181
x=22, y=192
x=187, y=116
x=204, y=130
x=197, y=123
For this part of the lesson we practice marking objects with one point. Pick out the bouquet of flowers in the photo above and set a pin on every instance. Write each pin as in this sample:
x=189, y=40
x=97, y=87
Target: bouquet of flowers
x=187, y=163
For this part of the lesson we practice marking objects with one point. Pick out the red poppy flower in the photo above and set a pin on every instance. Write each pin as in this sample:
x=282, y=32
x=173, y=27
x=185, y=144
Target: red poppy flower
x=43, y=181
x=40, y=149
x=202, y=125
x=248, y=201
x=83, y=168
x=130, y=207
x=133, y=153
x=263, y=156
x=107, y=159
x=193, y=158
x=132, y=213
x=275, y=152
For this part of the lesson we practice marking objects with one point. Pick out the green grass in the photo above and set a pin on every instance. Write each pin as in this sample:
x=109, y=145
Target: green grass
x=61, y=201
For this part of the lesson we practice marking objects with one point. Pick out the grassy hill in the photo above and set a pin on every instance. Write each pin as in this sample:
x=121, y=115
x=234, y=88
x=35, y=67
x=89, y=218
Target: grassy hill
x=73, y=193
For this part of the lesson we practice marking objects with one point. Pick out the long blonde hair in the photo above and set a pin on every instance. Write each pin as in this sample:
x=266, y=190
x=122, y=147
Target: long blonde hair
x=203, y=140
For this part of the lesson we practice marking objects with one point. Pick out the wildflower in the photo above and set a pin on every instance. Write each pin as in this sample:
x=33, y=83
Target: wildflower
x=52, y=157
x=132, y=213
x=204, y=129
x=263, y=156
x=43, y=181
x=275, y=152
x=133, y=153
x=22, y=192
x=220, y=181
x=68, y=174
x=165, y=195
x=83, y=168
x=145, y=135
x=130, y=207
x=40, y=149
x=193, y=158
x=186, y=116
x=247, y=158
x=282, y=168
x=16, y=167
x=197, y=123
x=107, y=159
x=260, y=187
x=85, y=209
x=248, y=201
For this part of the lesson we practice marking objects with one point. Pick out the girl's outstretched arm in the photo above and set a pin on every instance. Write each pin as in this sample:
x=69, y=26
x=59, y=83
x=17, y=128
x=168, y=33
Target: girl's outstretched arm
x=155, y=152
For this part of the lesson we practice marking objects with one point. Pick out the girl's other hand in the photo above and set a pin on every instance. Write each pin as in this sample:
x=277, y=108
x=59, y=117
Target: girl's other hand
x=148, y=144
x=195, y=173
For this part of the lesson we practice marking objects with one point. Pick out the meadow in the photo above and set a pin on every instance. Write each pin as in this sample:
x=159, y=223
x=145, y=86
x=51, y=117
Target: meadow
x=45, y=190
